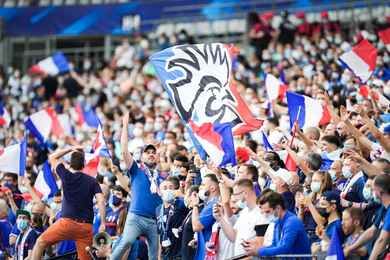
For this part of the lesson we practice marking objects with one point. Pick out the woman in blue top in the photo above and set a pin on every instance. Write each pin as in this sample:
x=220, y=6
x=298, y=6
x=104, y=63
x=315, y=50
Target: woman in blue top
x=307, y=206
x=115, y=218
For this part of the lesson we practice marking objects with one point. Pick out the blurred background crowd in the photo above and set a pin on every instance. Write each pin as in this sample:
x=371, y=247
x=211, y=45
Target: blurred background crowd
x=341, y=183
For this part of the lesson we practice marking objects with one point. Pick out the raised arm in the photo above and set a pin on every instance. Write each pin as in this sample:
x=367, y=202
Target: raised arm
x=123, y=180
x=126, y=156
x=101, y=203
x=54, y=158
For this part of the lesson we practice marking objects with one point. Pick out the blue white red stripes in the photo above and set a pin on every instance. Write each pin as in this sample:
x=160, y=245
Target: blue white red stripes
x=45, y=183
x=361, y=60
x=43, y=123
x=5, y=118
x=216, y=140
x=307, y=111
x=13, y=158
x=86, y=115
x=52, y=65
x=99, y=149
x=275, y=88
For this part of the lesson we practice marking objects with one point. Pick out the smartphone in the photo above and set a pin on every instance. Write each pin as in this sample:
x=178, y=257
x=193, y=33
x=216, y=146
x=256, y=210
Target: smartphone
x=237, y=257
x=260, y=230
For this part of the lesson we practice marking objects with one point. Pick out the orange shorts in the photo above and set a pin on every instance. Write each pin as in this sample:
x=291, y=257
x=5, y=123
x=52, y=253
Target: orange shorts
x=68, y=229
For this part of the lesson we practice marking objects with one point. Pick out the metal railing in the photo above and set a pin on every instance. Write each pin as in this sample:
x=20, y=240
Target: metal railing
x=290, y=257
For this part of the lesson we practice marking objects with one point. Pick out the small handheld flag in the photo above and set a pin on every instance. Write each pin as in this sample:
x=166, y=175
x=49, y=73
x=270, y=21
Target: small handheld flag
x=45, y=183
x=43, y=123
x=52, y=65
x=275, y=88
x=361, y=60
x=5, y=118
x=13, y=158
x=312, y=113
x=266, y=144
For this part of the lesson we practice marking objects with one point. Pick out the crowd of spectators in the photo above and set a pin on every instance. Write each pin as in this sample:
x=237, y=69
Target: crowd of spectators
x=188, y=208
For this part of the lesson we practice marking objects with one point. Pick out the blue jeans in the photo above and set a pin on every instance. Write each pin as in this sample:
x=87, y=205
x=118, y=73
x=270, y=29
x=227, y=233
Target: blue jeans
x=135, y=226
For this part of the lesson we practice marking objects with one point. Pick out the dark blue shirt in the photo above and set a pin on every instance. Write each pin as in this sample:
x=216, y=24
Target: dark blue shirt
x=335, y=226
x=289, y=237
x=5, y=229
x=168, y=219
x=79, y=190
x=207, y=220
x=143, y=201
x=28, y=244
x=386, y=223
x=355, y=192
x=289, y=200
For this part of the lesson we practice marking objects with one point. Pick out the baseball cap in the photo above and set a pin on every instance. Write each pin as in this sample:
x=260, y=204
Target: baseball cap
x=23, y=212
x=285, y=175
x=332, y=197
x=149, y=147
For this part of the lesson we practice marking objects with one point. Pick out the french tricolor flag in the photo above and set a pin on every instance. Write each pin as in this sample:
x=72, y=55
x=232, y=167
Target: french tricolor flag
x=45, y=183
x=266, y=144
x=335, y=250
x=361, y=60
x=99, y=149
x=307, y=111
x=43, y=123
x=52, y=65
x=13, y=158
x=215, y=140
x=5, y=118
x=275, y=88
x=86, y=115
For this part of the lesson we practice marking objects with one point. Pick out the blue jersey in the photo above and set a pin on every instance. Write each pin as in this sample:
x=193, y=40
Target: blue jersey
x=112, y=221
x=143, y=201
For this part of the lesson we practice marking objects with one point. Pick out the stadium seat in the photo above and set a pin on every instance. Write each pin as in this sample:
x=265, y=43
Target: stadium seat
x=44, y=2
x=57, y=2
x=9, y=3
x=70, y=2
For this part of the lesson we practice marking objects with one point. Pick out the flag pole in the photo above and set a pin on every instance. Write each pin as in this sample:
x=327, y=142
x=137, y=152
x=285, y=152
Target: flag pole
x=294, y=127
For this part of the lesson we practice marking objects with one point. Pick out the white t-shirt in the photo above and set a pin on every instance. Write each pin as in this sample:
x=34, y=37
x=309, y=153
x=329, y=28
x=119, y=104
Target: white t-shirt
x=245, y=227
x=225, y=247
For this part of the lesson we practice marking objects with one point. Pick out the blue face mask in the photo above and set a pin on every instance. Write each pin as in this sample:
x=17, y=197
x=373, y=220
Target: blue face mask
x=116, y=201
x=175, y=172
x=241, y=204
x=22, y=224
x=168, y=196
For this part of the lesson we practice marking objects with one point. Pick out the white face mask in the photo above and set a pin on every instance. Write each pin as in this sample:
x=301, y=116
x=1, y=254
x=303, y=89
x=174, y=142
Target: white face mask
x=23, y=189
x=138, y=132
x=158, y=126
x=55, y=206
x=203, y=194
x=270, y=218
x=347, y=172
x=148, y=127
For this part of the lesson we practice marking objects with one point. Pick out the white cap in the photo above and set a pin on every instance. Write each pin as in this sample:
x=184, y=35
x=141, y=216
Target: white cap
x=285, y=176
